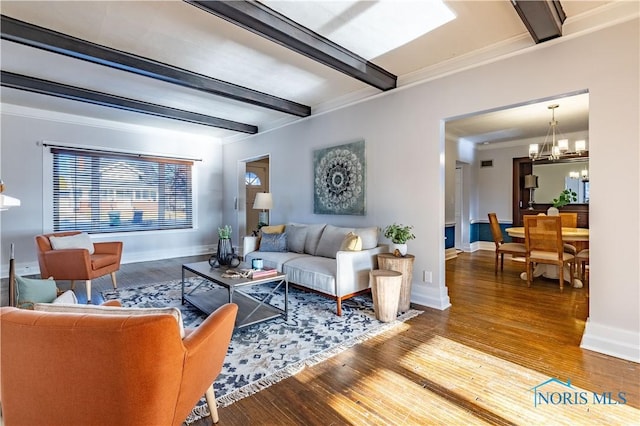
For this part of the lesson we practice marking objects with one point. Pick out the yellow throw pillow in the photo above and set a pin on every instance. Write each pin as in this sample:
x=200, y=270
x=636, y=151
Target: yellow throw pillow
x=352, y=242
x=272, y=229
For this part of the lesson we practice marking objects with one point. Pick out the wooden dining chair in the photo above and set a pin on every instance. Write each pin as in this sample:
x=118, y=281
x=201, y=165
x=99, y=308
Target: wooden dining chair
x=582, y=260
x=569, y=220
x=517, y=249
x=543, y=244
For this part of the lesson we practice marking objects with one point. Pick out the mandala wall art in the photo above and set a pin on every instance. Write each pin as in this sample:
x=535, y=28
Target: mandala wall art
x=339, y=180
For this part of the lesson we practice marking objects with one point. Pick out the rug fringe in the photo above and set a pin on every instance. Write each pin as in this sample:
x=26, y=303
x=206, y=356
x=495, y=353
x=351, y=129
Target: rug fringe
x=247, y=390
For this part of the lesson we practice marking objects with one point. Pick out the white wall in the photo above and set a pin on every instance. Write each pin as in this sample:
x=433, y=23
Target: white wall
x=23, y=172
x=403, y=130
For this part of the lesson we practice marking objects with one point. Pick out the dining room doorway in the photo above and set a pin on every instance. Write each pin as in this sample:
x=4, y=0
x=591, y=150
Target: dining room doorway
x=487, y=142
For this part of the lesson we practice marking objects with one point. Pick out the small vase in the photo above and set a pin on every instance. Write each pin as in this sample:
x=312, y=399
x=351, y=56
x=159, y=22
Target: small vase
x=399, y=250
x=224, y=255
x=553, y=211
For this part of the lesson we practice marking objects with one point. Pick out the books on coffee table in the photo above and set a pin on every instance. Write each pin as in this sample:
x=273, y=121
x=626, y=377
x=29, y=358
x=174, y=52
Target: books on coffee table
x=257, y=274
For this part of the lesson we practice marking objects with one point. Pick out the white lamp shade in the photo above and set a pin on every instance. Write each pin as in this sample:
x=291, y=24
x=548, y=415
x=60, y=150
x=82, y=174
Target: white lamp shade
x=533, y=149
x=563, y=145
x=581, y=145
x=263, y=201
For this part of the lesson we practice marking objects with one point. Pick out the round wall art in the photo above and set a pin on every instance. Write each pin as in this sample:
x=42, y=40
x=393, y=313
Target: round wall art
x=339, y=181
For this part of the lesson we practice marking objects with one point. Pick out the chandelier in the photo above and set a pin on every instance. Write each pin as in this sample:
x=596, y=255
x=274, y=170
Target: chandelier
x=552, y=148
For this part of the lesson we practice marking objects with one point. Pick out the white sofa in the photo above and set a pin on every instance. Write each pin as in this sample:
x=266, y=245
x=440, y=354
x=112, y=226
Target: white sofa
x=316, y=258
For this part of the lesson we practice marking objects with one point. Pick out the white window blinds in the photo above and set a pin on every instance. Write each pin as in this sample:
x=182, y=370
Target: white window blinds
x=97, y=192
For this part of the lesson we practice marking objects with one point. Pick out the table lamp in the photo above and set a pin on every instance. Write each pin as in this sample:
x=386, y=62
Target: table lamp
x=264, y=202
x=530, y=183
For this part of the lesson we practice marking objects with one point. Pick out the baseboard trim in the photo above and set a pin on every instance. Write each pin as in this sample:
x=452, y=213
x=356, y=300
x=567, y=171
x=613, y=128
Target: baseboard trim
x=450, y=253
x=432, y=297
x=32, y=268
x=611, y=341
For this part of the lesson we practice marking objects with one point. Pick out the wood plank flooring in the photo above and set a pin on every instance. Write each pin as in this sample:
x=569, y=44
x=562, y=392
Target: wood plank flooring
x=539, y=328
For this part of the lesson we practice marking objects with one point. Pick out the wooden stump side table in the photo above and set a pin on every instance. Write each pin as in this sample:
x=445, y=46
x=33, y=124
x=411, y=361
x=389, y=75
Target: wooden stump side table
x=405, y=266
x=385, y=291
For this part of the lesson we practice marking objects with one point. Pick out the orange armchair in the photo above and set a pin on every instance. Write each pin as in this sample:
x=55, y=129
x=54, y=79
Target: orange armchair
x=99, y=369
x=78, y=264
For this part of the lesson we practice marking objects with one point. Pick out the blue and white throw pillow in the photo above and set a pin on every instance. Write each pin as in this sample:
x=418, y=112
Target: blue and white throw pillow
x=274, y=242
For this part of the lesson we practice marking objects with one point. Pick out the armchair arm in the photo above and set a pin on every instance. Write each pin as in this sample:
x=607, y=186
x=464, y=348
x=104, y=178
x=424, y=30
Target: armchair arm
x=108, y=247
x=206, y=348
x=249, y=244
x=71, y=264
x=352, y=270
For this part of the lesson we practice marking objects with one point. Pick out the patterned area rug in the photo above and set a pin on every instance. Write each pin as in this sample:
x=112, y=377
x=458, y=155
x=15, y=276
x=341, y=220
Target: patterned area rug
x=265, y=353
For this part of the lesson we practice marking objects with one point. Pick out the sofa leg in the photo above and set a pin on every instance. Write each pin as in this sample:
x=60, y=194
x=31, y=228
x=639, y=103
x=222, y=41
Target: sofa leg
x=210, y=396
x=88, y=285
x=113, y=280
x=339, y=306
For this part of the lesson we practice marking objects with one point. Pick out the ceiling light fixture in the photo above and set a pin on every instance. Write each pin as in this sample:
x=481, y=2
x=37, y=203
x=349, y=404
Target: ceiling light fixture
x=553, y=149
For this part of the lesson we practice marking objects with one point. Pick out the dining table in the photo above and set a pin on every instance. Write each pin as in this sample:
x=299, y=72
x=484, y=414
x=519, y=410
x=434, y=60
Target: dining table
x=579, y=237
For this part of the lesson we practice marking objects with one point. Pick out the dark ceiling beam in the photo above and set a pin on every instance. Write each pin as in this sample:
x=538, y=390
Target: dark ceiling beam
x=543, y=18
x=51, y=88
x=53, y=41
x=268, y=23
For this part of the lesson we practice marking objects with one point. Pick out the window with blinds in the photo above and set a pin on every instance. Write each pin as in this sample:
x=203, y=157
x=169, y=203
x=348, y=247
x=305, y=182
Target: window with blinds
x=100, y=192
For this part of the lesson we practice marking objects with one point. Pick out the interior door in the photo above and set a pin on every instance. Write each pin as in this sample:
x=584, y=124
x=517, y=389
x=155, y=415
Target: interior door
x=256, y=180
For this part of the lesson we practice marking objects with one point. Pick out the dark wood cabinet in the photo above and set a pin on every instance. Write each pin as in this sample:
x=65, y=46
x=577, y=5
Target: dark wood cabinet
x=521, y=168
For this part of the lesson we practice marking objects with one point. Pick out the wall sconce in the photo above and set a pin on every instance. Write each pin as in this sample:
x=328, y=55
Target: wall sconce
x=530, y=183
x=264, y=202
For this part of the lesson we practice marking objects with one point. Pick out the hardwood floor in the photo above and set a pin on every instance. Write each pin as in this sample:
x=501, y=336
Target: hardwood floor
x=539, y=328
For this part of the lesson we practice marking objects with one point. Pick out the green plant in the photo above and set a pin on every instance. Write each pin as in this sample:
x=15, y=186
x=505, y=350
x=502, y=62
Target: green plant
x=565, y=198
x=225, y=232
x=399, y=234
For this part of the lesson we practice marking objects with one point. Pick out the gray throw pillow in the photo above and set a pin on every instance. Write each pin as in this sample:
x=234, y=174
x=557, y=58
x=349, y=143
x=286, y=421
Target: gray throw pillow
x=273, y=242
x=331, y=240
x=296, y=236
x=313, y=237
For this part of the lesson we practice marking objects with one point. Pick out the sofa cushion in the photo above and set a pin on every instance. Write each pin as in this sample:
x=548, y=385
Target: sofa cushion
x=272, y=259
x=77, y=241
x=352, y=242
x=314, y=272
x=331, y=240
x=314, y=232
x=30, y=291
x=296, y=235
x=110, y=310
x=369, y=237
x=273, y=242
x=101, y=260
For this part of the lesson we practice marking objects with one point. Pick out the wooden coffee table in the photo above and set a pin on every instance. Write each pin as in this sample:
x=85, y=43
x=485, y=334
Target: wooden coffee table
x=250, y=309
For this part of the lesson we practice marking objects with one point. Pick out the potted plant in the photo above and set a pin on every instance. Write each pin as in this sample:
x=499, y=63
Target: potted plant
x=224, y=233
x=567, y=196
x=399, y=235
x=224, y=255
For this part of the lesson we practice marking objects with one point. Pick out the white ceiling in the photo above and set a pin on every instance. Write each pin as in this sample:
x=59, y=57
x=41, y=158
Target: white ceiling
x=180, y=34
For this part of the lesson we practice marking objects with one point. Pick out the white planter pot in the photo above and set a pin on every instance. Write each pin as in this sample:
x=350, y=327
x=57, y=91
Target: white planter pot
x=402, y=248
x=553, y=211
